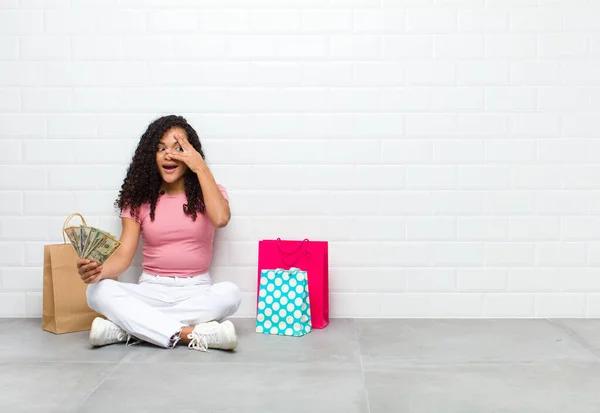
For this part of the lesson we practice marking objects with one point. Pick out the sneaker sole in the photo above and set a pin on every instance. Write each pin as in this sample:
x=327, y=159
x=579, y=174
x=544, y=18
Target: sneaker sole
x=96, y=325
x=228, y=325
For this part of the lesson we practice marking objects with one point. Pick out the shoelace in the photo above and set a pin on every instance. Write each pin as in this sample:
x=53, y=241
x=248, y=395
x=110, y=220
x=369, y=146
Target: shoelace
x=199, y=341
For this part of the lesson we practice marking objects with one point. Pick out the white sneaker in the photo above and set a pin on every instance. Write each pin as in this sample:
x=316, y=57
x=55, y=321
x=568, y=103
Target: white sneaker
x=105, y=332
x=213, y=335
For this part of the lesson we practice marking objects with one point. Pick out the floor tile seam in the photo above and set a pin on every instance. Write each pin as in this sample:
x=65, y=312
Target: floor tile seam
x=362, y=367
x=99, y=384
x=578, y=338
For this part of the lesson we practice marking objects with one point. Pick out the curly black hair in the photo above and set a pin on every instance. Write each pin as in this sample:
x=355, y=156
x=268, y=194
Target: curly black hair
x=142, y=181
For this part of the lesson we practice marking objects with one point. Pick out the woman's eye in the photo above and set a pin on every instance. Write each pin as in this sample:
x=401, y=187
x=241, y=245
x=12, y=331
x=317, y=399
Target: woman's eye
x=180, y=149
x=161, y=149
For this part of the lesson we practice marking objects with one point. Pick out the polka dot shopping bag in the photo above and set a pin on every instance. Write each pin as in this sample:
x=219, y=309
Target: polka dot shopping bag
x=283, y=303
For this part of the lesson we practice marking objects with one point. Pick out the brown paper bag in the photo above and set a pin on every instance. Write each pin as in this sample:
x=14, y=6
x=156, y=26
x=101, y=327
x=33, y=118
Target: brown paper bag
x=64, y=300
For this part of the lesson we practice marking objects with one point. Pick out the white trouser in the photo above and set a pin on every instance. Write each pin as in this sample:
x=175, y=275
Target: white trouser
x=157, y=308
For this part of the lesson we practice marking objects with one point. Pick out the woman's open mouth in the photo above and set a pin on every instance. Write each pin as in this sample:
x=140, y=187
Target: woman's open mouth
x=169, y=168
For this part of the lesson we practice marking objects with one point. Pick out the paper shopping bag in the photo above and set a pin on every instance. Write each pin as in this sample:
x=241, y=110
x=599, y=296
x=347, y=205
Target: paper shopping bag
x=283, y=303
x=309, y=256
x=65, y=307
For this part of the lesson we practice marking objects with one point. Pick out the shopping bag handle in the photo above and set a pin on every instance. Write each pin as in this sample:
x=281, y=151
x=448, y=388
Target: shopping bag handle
x=294, y=262
x=283, y=252
x=292, y=251
x=67, y=223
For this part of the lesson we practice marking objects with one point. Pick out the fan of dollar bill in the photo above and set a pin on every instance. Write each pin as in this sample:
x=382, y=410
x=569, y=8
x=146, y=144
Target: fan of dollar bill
x=92, y=243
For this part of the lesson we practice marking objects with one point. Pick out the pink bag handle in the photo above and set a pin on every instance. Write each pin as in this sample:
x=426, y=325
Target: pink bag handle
x=293, y=251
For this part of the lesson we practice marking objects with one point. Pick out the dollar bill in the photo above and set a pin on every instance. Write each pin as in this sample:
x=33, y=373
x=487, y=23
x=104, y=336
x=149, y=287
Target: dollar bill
x=104, y=250
x=94, y=238
x=85, y=235
x=71, y=234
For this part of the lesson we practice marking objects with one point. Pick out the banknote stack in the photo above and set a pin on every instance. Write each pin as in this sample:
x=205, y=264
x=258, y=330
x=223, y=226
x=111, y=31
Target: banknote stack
x=92, y=243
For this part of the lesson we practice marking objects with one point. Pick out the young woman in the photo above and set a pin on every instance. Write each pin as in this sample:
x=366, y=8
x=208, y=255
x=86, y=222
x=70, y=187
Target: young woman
x=170, y=198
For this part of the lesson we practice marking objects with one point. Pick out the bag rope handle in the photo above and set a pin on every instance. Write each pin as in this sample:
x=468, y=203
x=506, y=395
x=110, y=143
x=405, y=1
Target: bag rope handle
x=67, y=222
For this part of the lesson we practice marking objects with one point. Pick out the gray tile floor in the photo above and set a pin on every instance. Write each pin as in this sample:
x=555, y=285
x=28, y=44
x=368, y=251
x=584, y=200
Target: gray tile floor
x=352, y=366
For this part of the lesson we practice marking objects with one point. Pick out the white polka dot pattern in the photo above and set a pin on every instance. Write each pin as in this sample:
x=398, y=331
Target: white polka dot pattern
x=283, y=303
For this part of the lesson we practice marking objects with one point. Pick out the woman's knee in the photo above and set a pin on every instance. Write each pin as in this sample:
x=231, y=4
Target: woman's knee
x=100, y=293
x=231, y=295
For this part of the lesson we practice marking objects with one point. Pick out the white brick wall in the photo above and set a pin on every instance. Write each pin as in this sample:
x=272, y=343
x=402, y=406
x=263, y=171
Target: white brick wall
x=448, y=150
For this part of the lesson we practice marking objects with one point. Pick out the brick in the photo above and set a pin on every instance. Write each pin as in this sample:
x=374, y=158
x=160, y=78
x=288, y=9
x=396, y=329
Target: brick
x=410, y=151
x=11, y=253
x=431, y=73
x=510, y=254
x=560, y=305
x=96, y=74
x=457, y=305
x=431, y=21
x=479, y=280
x=21, y=279
x=9, y=48
x=224, y=20
x=21, y=22
x=44, y=152
x=483, y=73
x=431, y=229
x=458, y=151
x=45, y=47
x=459, y=46
x=483, y=177
x=46, y=100
x=458, y=203
x=30, y=177
x=407, y=305
x=326, y=74
x=355, y=305
x=172, y=21
x=48, y=203
x=509, y=305
x=561, y=254
x=275, y=20
x=457, y=254
x=535, y=73
x=510, y=99
x=354, y=47
x=430, y=280
x=407, y=47
x=509, y=202
x=564, y=150
x=21, y=74
x=379, y=20
x=96, y=47
x=535, y=20
x=12, y=304
x=431, y=177
x=483, y=21
x=511, y=151
x=536, y=177
x=10, y=100
x=483, y=229
x=380, y=73
x=562, y=46
x=535, y=228
x=511, y=46
x=533, y=279
x=24, y=228
x=450, y=99
x=336, y=21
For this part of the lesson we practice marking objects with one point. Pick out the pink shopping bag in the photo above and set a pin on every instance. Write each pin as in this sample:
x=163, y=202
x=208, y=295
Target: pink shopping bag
x=309, y=256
